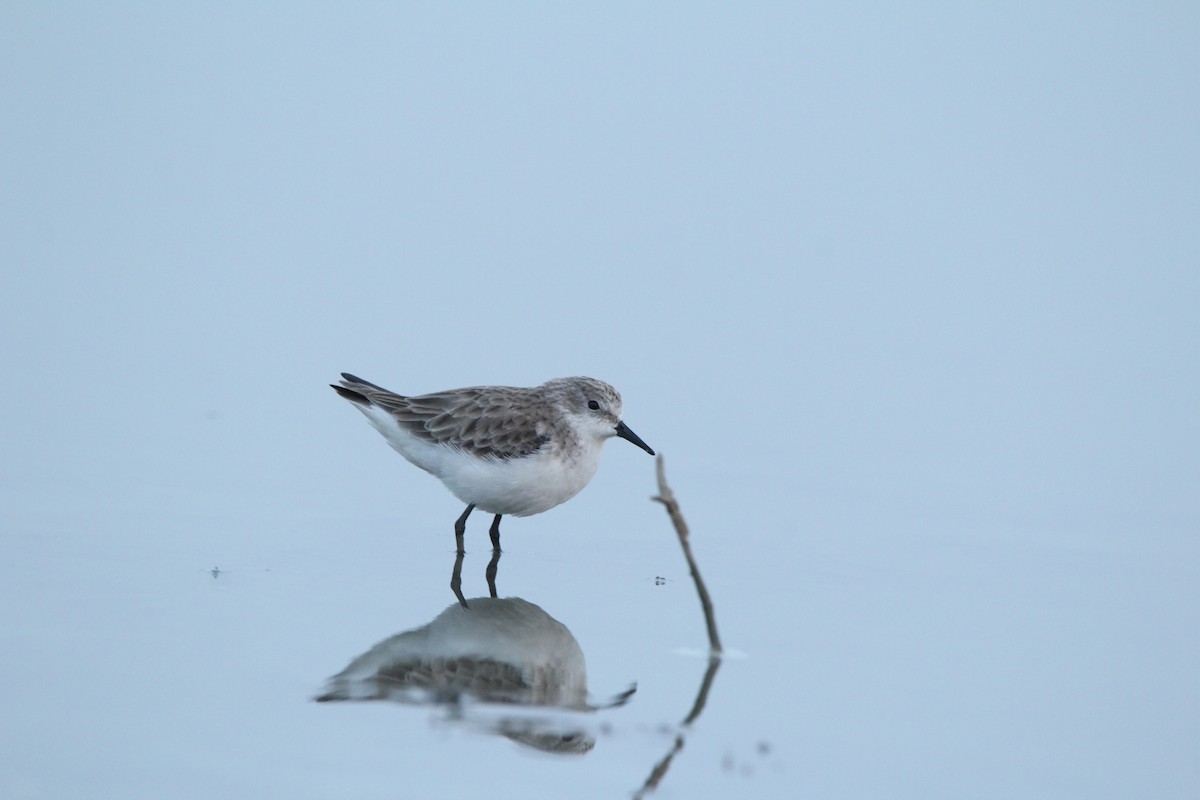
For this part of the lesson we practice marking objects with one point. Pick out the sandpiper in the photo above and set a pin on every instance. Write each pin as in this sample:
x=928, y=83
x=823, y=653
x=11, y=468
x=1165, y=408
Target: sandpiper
x=502, y=449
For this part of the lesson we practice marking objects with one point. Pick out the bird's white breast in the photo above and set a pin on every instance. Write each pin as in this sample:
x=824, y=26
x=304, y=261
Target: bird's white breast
x=517, y=486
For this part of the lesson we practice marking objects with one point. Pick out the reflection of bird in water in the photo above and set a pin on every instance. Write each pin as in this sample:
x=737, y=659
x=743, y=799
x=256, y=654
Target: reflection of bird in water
x=507, y=652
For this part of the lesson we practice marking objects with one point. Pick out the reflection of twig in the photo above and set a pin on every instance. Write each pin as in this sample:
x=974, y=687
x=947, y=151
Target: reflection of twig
x=667, y=498
x=714, y=661
x=660, y=769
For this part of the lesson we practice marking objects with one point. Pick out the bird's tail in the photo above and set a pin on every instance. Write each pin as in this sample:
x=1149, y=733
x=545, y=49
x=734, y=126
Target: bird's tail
x=355, y=389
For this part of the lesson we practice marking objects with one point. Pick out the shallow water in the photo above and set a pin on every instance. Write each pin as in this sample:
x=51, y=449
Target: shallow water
x=870, y=661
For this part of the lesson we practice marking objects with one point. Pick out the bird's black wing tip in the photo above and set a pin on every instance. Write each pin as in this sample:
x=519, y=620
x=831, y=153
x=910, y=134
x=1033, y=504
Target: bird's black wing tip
x=351, y=395
x=348, y=378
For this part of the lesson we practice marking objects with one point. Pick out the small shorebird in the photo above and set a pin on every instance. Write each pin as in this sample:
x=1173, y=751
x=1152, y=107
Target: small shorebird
x=502, y=449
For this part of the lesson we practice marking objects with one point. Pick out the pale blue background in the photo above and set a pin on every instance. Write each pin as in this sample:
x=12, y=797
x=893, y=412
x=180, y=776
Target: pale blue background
x=907, y=294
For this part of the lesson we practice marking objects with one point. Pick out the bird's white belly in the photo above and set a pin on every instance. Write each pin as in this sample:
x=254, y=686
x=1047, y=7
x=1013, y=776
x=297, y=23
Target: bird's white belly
x=521, y=486
x=518, y=486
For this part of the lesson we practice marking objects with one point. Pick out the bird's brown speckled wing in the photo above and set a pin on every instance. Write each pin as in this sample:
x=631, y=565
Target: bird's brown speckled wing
x=483, y=420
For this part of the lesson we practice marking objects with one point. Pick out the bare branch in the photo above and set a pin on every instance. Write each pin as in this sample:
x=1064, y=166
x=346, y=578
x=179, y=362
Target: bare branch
x=667, y=498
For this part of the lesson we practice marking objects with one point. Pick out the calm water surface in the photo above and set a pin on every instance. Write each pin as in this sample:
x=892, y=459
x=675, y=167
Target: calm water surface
x=163, y=654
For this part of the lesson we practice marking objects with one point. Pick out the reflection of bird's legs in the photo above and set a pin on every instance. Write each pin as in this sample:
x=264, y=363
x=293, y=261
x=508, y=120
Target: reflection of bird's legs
x=460, y=527
x=456, y=580
x=492, y=568
x=495, y=533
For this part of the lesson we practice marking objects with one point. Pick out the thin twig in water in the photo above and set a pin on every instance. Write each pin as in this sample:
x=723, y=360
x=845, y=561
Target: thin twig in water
x=667, y=498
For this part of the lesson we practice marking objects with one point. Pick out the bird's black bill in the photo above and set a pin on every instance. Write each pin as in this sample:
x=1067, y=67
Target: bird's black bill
x=624, y=432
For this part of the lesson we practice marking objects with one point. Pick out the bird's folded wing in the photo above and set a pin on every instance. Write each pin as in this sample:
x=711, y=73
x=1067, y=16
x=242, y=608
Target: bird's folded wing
x=482, y=421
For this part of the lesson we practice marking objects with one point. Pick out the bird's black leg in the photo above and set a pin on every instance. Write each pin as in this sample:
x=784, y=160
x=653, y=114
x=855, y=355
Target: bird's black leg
x=495, y=533
x=492, y=568
x=460, y=527
x=456, y=580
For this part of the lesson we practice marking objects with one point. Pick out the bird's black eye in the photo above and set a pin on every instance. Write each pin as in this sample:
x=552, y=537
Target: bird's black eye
x=593, y=405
